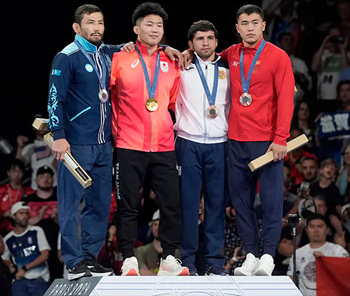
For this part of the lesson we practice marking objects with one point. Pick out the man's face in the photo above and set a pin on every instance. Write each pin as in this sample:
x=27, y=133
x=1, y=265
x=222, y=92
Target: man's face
x=204, y=44
x=15, y=174
x=309, y=170
x=45, y=181
x=21, y=218
x=92, y=28
x=344, y=10
x=155, y=227
x=150, y=29
x=317, y=231
x=287, y=43
x=250, y=27
x=321, y=207
x=344, y=94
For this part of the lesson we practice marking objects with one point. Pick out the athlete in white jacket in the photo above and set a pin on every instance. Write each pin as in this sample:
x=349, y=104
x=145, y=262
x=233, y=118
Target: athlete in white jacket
x=202, y=108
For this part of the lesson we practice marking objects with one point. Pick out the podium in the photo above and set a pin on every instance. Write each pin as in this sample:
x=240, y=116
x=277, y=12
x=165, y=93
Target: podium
x=176, y=286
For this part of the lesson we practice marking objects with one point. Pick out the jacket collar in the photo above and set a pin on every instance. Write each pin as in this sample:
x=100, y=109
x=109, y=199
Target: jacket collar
x=89, y=47
x=143, y=48
x=215, y=60
x=242, y=47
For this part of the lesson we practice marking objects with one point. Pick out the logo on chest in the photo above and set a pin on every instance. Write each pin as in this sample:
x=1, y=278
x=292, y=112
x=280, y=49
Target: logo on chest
x=164, y=66
x=89, y=68
x=135, y=63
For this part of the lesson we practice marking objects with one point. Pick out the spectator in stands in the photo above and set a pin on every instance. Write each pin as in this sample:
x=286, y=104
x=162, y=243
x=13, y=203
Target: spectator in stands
x=327, y=188
x=343, y=95
x=317, y=230
x=309, y=172
x=5, y=276
x=303, y=119
x=294, y=157
x=344, y=174
x=27, y=249
x=11, y=193
x=44, y=213
x=346, y=215
x=36, y=154
x=329, y=61
x=303, y=81
x=149, y=256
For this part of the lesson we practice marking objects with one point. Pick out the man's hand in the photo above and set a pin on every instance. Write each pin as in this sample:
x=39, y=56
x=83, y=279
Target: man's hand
x=59, y=148
x=128, y=47
x=279, y=151
x=318, y=254
x=21, y=141
x=187, y=58
x=340, y=239
x=20, y=274
x=174, y=55
x=43, y=211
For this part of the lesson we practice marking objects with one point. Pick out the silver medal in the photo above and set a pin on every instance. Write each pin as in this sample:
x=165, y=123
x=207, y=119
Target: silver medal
x=245, y=99
x=103, y=96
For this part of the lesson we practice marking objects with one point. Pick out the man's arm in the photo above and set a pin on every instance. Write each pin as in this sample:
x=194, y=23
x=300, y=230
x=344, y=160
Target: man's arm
x=284, y=85
x=174, y=91
x=59, y=82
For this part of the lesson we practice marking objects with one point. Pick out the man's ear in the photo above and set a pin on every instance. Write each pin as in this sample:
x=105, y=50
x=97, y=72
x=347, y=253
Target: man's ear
x=190, y=44
x=136, y=30
x=76, y=28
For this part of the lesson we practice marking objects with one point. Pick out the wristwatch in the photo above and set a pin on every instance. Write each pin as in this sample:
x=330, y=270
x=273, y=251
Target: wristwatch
x=24, y=267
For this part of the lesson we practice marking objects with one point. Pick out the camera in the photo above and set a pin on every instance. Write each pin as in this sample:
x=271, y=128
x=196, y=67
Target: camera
x=293, y=220
x=337, y=39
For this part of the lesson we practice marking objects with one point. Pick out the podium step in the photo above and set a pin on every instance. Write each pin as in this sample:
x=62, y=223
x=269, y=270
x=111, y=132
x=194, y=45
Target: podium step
x=176, y=286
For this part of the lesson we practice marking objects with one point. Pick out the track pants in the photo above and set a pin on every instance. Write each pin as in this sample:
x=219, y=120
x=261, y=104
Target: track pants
x=242, y=187
x=131, y=167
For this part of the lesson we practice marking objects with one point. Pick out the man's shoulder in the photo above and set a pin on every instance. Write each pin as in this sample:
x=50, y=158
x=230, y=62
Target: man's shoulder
x=69, y=49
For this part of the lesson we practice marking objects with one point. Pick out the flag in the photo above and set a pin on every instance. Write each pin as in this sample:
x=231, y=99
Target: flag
x=333, y=276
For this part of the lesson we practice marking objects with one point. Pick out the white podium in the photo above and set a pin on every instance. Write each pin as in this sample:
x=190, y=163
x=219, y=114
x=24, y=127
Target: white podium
x=196, y=286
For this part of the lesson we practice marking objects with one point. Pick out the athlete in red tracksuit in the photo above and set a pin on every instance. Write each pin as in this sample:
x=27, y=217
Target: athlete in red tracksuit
x=262, y=88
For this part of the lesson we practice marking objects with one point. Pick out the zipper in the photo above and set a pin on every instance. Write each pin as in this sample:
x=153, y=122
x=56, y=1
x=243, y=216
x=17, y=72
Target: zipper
x=101, y=138
x=205, y=99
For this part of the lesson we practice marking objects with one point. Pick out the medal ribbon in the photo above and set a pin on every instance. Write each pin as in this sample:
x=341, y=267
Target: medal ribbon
x=101, y=80
x=246, y=83
x=211, y=96
x=151, y=88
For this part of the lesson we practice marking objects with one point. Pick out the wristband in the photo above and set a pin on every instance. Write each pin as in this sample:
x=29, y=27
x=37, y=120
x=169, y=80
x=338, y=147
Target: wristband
x=234, y=259
x=24, y=267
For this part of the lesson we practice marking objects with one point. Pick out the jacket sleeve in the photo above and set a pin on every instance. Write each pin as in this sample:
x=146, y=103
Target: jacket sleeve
x=59, y=82
x=174, y=90
x=284, y=85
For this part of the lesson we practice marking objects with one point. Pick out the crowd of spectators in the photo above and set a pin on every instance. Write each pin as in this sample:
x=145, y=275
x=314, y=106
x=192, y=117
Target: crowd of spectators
x=315, y=34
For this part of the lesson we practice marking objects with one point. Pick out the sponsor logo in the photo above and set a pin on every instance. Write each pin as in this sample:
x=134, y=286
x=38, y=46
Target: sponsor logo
x=135, y=63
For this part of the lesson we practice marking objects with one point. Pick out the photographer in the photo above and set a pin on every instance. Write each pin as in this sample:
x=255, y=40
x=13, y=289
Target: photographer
x=328, y=62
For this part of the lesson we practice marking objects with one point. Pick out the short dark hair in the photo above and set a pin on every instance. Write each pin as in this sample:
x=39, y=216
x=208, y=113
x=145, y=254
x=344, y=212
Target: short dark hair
x=340, y=84
x=203, y=26
x=280, y=36
x=309, y=158
x=321, y=198
x=85, y=9
x=249, y=9
x=146, y=9
x=316, y=216
x=16, y=163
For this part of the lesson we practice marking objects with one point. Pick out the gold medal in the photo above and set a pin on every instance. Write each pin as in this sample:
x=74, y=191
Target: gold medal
x=212, y=111
x=152, y=104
